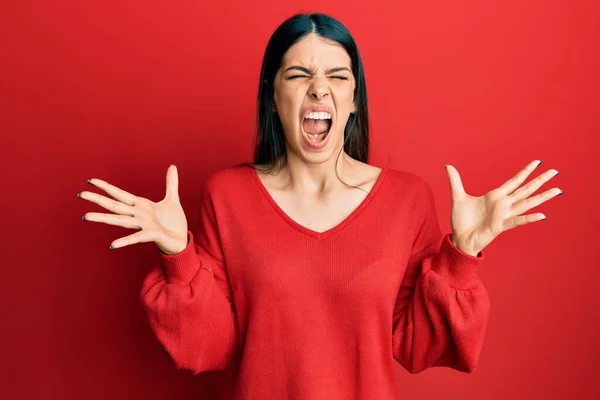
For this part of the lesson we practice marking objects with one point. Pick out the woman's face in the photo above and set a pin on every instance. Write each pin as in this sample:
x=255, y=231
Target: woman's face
x=314, y=96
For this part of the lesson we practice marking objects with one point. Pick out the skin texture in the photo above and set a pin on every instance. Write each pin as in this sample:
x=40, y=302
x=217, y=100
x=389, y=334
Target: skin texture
x=297, y=90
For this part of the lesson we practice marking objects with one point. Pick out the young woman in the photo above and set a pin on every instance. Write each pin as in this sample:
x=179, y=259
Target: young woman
x=312, y=271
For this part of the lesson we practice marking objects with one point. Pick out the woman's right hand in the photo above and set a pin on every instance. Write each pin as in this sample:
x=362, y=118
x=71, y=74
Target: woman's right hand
x=163, y=223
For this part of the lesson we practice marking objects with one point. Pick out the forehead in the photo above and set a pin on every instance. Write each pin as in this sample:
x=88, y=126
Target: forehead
x=313, y=51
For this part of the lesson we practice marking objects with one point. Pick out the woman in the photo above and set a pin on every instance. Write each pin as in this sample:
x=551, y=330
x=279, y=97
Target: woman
x=312, y=271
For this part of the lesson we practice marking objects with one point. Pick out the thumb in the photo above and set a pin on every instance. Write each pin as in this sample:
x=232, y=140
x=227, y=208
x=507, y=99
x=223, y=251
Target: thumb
x=172, y=183
x=456, y=187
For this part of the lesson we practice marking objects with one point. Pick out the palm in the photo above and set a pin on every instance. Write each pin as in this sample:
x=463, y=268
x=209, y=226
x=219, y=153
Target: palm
x=481, y=216
x=170, y=216
x=163, y=222
x=476, y=221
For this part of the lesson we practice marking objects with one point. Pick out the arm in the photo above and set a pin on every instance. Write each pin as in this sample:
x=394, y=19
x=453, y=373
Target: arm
x=442, y=308
x=188, y=301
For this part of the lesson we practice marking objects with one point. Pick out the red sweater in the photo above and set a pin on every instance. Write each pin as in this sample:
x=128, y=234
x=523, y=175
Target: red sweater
x=305, y=315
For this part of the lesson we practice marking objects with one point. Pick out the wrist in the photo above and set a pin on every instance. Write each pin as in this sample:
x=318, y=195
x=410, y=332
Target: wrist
x=464, y=247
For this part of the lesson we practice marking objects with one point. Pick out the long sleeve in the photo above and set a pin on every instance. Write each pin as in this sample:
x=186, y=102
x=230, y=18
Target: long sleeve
x=442, y=308
x=188, y=301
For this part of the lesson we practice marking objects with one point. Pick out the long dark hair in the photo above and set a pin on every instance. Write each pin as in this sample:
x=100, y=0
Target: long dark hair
x=270, y=140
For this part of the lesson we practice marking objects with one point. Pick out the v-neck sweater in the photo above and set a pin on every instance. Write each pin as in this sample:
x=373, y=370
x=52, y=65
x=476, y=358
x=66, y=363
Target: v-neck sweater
x=293, y=313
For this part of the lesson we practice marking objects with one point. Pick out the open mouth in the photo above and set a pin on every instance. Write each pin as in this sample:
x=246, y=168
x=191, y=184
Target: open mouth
x=316, y=127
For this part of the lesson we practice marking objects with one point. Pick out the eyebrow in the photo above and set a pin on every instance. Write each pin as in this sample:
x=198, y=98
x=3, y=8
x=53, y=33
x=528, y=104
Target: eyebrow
x=329, y=71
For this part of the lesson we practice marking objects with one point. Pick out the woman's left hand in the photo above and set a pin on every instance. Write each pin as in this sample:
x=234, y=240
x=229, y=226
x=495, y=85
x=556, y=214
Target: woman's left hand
x=476, y=221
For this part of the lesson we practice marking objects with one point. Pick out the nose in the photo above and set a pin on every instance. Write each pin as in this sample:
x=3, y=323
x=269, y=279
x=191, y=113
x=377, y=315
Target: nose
x=319, y=89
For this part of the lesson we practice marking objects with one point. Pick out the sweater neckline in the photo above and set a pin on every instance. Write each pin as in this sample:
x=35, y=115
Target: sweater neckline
x=307, y=231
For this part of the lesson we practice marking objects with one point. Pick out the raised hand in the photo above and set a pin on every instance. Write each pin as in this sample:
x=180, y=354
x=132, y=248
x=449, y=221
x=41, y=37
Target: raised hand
x=476, y=221
x=163, y=223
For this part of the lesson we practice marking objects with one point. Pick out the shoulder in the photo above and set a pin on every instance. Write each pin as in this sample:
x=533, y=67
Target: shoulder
x=229, y=181
x=229, y=176
x=408, y=183
x=413, y=195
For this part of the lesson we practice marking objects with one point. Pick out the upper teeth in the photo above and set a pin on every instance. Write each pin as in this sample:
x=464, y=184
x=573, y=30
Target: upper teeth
x=319, y=115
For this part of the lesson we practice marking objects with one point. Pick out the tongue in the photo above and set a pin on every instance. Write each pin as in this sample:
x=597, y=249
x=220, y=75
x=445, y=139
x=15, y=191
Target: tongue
x=315, y=126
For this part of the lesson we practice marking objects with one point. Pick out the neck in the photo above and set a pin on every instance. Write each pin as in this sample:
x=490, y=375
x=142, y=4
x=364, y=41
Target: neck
x=300, y=176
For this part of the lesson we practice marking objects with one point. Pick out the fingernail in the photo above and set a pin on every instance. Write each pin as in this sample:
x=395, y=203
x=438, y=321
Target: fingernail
x=173, y=165
x=90, y=182
x=540, y=163
x=79, y=195
x=561, y=192
x=83, y=218
x=111, y=248
x=557, y=172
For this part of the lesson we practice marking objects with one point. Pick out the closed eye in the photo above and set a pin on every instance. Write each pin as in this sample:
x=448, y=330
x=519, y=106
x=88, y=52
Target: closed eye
x=306, y=76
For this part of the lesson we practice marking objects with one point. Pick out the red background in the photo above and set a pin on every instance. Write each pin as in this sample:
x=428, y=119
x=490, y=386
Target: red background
x=118, y=90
